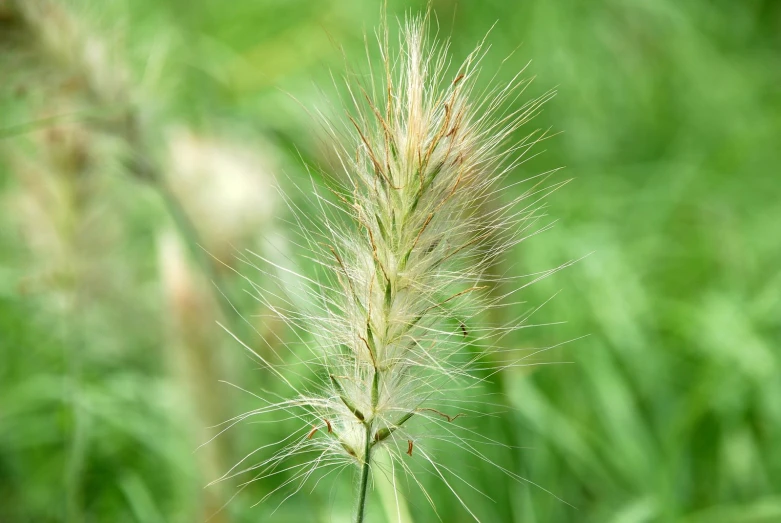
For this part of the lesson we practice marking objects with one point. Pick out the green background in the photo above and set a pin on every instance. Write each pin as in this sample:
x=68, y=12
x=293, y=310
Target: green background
x=131, y=132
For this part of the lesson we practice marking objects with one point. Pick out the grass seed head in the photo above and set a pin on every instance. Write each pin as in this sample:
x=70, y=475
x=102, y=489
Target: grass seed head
x=403, y=248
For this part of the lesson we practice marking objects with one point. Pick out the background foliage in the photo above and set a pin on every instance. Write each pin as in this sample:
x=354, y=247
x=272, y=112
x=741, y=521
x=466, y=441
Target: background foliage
x=131, y=132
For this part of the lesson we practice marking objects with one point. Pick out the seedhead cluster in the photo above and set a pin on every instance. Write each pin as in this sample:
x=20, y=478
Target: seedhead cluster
x=405, y=242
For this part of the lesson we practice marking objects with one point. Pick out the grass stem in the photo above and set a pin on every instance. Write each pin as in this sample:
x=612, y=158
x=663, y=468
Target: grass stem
x=361, y=506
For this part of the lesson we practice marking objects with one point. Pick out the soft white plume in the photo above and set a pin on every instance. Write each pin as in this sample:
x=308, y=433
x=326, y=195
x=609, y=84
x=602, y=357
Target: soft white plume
x=404, y=244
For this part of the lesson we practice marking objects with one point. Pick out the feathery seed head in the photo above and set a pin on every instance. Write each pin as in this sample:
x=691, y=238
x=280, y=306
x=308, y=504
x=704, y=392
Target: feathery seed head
x=404, y=251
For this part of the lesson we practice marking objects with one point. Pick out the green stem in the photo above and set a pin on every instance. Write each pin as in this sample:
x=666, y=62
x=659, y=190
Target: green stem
x=361, y=509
